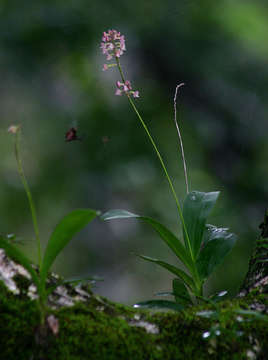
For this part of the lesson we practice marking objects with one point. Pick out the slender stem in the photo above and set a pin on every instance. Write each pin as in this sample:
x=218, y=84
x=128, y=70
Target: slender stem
x=161, y=161
x=29, y=195
x=180, y=137
x=159, y=156
x=120, y=70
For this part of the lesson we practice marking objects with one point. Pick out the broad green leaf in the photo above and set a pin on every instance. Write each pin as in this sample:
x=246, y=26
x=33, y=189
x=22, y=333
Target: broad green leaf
x=180, y=292
x=214, y=252
x=171, y=268
x=62, y=234
x=15, y=254
x=212, y=232
x=160, y=304
x=170, y=239
x=196, y=208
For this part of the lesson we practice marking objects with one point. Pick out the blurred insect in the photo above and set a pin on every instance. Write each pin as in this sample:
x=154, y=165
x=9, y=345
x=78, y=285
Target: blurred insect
x=71, y=135
x=105, y=139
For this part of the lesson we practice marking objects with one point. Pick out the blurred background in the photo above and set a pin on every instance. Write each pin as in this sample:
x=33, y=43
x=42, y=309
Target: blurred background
x=52, y=79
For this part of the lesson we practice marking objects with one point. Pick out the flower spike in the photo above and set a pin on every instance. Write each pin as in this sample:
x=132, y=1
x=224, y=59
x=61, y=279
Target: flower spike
x=125, y=88
x=113, y=44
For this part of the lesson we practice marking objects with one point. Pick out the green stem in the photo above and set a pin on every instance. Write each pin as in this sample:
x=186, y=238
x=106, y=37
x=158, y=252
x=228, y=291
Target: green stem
x=29, y=195
x=161, y=161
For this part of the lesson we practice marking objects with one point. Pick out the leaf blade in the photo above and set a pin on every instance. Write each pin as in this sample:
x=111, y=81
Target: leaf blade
x=196, y=209
x=214, y=252
x=180, y=292
x=62, y=234
x=167, y=236
x=14, y=253
x=171, y=268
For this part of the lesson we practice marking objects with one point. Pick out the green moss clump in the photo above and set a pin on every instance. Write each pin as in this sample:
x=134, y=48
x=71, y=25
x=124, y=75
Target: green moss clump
x=100, y=330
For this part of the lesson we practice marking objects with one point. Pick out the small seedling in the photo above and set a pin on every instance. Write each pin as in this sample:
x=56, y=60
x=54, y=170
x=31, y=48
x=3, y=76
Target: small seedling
x=205, y=246
x=69, y=225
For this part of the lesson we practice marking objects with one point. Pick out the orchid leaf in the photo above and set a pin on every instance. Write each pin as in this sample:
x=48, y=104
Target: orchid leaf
x=62, y=234
x=212, y=232
x=15, y=254
x=180, y=292
x=171, y=268
x=170, y=239
x=217, y=247
x=196, y=209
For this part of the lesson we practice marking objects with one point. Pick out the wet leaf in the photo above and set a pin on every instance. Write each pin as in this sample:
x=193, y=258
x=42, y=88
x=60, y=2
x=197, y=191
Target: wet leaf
x=214, y=252
x=196, y=209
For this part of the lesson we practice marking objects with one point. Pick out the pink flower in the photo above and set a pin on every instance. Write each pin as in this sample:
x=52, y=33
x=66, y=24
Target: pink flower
x=135, y=94
x=105, y=67
x=13, y=129
x=125, y=88
x=113, y=44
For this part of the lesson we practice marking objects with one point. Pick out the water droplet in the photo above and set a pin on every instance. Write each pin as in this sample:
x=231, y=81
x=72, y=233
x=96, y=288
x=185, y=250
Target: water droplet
x=222, y=293
x=136, y=306
x=217, y=332
x=206, y=334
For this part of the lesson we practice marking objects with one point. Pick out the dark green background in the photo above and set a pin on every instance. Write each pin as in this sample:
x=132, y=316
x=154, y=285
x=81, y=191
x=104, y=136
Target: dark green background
x=52, y=79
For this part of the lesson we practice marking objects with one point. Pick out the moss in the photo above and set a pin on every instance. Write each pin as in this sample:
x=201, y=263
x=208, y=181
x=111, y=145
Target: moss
x=101, y=330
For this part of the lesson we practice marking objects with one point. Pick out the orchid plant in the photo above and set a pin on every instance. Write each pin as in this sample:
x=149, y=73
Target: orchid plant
x=64, y=231
x=204, y=246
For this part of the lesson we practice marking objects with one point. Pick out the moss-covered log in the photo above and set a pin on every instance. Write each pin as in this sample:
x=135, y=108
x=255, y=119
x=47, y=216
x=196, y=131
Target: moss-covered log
x=86, y=326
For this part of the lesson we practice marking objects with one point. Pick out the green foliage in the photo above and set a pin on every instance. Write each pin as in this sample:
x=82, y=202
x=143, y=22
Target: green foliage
x=17, y=255
x=205, y=247
x=196, y=209
x=180, y=292
x=61, y=236
x=69, y=225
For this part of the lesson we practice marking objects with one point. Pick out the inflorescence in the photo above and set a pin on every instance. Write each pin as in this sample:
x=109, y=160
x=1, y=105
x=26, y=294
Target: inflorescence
x=113, y=46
